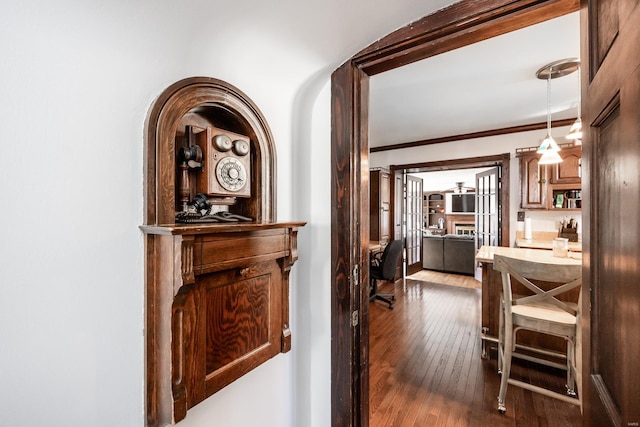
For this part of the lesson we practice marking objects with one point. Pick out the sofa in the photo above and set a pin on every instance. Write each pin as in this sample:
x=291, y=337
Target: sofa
x=450, y=253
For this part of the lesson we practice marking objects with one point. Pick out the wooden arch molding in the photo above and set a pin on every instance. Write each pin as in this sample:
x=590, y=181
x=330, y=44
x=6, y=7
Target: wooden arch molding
x=207, y=101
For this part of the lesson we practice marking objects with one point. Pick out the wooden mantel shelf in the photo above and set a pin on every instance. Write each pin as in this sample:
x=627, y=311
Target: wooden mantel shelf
x=178, y=229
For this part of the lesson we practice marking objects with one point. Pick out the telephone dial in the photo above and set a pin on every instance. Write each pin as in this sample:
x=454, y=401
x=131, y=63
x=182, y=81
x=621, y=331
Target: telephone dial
x=220, y=163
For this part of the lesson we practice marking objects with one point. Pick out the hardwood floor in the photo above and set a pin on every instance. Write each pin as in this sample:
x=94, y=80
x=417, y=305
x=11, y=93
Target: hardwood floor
x=426, y=369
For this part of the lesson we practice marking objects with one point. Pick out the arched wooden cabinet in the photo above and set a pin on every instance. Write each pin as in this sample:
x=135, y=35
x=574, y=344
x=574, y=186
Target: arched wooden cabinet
x=217, y=263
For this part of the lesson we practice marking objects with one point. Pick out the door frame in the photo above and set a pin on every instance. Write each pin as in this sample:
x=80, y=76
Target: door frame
x=458, y=25
x=501, y=160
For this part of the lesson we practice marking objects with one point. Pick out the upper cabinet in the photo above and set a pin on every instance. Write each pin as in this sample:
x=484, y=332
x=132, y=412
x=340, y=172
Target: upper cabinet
x=533, y=182
x=556, y=186
x=569, y=171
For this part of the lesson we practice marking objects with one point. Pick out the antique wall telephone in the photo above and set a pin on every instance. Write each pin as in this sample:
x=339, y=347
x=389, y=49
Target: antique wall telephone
x=214, y=171
x=217, y=294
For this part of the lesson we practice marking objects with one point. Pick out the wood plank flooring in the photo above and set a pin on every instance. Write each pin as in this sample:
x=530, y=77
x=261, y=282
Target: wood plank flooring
x=426, y=369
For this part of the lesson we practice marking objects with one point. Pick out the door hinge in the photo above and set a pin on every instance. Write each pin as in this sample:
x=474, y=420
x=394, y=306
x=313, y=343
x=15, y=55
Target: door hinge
x=354, y=318
x=356, y=275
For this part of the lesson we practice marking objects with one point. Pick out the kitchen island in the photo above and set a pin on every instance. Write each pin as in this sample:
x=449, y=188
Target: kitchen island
x=492, y=287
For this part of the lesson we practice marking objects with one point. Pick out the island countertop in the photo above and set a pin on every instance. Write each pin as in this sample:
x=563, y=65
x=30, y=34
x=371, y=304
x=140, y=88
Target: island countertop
x=485, y=254
x=543, y=240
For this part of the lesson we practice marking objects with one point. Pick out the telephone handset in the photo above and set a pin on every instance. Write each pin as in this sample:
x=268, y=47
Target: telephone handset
x=200, y=212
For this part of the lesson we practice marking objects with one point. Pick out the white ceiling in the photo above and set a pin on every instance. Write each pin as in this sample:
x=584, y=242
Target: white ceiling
x=484, y=86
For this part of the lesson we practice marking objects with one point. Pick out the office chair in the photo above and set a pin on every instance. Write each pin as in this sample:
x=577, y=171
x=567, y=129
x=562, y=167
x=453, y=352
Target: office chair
x=384, y=268
x=539, y=311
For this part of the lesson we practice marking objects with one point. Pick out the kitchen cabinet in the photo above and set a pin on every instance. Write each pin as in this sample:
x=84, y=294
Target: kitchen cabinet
x=550, y=187
x=533, y=182
x=569, y=170
x=379, y=205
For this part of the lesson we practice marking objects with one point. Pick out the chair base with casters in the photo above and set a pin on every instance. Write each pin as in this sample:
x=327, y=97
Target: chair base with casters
x=540, y=311
x=384, y=268
x=387, y=298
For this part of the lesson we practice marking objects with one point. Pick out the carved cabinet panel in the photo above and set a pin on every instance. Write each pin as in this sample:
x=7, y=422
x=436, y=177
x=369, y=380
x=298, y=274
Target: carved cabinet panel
x=533, y=182
x=569, y=170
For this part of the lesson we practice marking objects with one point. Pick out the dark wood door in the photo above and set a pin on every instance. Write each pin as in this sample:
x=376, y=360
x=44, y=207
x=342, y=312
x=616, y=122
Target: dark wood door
x=611, y=155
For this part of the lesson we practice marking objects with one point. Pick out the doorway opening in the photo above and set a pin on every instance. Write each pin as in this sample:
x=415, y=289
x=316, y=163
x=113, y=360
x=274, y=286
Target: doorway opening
x=459, y=25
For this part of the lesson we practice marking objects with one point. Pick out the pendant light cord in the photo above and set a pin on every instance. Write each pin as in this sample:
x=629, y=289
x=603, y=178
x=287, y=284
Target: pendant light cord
x=549, y=103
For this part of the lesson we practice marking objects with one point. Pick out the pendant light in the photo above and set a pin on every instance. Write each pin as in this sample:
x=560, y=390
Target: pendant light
x=575, y=131
x=549, y=148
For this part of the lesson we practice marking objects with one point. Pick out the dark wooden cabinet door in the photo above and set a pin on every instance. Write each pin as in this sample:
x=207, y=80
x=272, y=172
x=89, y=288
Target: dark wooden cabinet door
x=569, y=171
x=611, y=152
x=385, y=207
x=533, y=182
x=380, y=206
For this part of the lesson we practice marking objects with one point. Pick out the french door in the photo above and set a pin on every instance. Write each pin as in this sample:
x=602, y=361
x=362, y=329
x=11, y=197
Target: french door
x=413, y=220
x=488, y=221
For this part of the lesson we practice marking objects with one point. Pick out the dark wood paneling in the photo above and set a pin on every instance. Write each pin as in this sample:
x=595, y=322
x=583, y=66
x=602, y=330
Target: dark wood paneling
x=611, y=155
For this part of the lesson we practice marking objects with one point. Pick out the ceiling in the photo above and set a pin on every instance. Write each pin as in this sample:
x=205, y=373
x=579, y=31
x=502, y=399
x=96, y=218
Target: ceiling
x=488, y=85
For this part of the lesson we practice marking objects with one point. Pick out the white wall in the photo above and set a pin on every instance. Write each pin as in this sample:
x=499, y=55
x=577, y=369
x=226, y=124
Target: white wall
x=76, y=81
x=540, y=220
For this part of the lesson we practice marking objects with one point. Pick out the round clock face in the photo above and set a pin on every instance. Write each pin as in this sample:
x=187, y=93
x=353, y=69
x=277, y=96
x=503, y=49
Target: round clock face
x=231, y=174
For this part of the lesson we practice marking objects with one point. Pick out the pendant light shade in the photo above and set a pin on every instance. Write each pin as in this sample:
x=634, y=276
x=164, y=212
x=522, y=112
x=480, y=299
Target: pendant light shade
x=575, y=132
x=549, y=157
x=548, y=143
x=549, y=148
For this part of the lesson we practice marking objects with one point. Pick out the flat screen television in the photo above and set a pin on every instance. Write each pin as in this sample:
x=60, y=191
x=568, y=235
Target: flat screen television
x=461, y=203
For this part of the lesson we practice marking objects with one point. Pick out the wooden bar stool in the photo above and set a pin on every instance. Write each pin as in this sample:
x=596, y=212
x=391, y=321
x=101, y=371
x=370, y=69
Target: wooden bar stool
x=540, y=311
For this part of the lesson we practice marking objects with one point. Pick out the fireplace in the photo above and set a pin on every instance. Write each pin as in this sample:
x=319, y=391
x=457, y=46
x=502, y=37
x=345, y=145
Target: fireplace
x=464, y=229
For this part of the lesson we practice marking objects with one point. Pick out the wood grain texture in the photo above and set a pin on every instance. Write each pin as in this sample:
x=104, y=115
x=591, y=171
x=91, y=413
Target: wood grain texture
x=426, y=368
x=349, y=249
x=611, y=101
